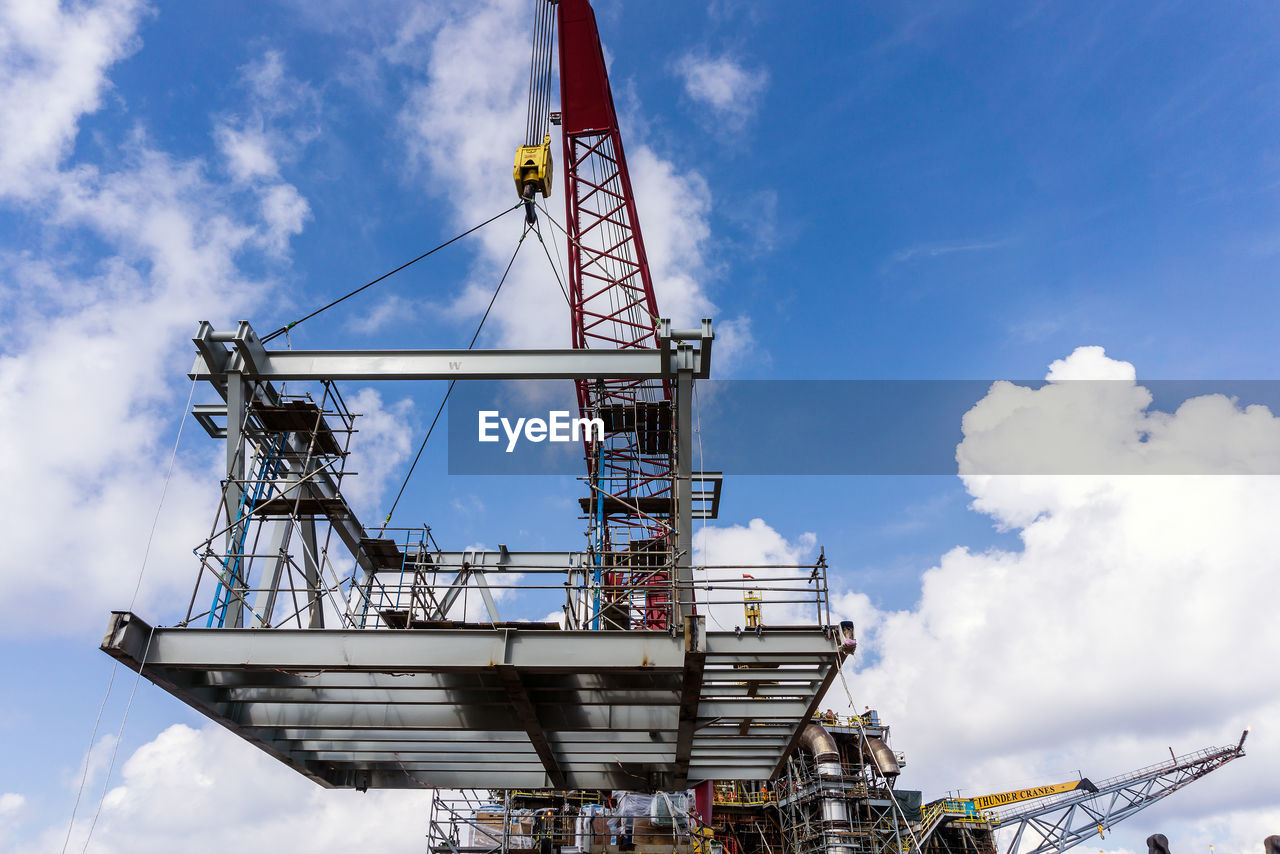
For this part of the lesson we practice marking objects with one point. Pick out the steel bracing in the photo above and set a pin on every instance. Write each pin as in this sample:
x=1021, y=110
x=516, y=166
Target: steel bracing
x=1060, y=822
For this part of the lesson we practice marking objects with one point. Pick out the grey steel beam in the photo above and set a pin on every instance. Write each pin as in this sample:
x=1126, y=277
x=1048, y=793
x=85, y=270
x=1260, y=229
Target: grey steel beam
x=684, y=360
x=593, y=753
x=214, y=359
x=373, y=365
x=528, y=716
x=302, y=747
x=759, y=710
x=451, y=737
x=695, y=659
x=396, y=778
x=484, y=719
x=495, y=562
x=435, y=697
x=440, y=650
x=701, y=773
x=401, y=651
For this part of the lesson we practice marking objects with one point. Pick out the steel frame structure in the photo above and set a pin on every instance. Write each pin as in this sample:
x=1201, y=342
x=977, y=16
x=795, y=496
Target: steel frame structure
x=389, y=700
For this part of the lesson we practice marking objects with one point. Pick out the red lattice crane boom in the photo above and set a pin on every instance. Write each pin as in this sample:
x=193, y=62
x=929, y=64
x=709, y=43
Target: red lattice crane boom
x=613, y=305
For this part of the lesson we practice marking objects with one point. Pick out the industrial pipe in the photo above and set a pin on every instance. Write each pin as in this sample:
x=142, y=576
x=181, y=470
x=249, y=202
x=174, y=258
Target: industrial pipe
x=885, y=760
x=826, y=757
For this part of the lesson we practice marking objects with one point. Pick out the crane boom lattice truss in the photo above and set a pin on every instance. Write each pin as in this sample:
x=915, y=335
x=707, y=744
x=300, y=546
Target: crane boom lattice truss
x=614, y=307
x=1058, y=823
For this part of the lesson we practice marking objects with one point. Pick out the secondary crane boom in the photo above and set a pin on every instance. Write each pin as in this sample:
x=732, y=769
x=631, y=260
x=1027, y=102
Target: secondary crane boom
x=1058, y=823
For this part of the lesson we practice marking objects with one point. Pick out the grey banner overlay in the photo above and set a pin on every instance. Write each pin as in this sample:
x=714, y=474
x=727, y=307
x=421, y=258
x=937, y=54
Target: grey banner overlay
x=899, y=427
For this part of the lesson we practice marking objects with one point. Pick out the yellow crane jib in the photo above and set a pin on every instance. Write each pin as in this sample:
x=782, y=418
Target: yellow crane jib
x=533, y=169
x=986, y=802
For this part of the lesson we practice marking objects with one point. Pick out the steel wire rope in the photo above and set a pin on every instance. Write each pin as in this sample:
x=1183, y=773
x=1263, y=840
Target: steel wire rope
x=146, y=553
x=537, y=229
x=862, y=733
x=288, y=326
x=452, y=383
x=540, y=73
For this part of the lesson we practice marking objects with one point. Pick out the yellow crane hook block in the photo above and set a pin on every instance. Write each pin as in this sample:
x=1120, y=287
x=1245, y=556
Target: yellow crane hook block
x=533, y=166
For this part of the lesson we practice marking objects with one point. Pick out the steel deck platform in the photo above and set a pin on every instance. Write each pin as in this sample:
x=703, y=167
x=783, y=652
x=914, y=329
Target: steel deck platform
x=497, y=707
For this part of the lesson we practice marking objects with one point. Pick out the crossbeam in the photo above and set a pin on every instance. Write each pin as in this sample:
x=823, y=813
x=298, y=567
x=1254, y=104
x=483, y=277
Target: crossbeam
x=248, y=357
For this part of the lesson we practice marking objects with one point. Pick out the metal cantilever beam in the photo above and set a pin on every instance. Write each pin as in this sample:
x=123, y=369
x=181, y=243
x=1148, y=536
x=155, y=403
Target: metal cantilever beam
x=1058, y=823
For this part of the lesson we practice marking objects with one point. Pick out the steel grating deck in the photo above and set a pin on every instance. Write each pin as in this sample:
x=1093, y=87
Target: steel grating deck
x=497, y=707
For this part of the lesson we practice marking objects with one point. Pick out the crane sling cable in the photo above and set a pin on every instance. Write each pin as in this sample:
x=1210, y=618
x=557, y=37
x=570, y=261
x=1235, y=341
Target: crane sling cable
x=537, y=229
x=538, y=117
x=449, y=390
x=288, y=326
x=115, y=748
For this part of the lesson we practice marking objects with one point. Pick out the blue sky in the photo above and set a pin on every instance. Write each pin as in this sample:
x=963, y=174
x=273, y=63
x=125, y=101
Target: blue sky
x=854, y=191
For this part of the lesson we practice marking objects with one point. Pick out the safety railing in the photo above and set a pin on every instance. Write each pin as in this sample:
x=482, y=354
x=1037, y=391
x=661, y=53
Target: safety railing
x=430, y=588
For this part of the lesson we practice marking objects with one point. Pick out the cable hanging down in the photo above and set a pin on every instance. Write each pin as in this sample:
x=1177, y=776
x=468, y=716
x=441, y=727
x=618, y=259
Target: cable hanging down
x=288, y=326
x=449, y=390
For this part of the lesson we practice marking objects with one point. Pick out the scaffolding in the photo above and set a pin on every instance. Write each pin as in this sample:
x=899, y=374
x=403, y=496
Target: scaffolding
x=266, y=562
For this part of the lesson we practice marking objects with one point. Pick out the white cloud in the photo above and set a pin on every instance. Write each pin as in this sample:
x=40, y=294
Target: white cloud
x=1093, y=418
x=93, y=391
x=275, y=124
x=730, y=551
x=935, y=250
x=12, y=808
x=10, y=804
x=1137, y=615
x=248, y=153
x=384, y=442
x=95, y=342
x=285, y=212
x=186, y=780
x=384, y=313
x=730, y=89
x=53, y=63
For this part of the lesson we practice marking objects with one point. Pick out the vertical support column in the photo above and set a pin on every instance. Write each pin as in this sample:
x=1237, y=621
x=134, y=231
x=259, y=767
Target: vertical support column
x=684, y=479
x=264, y=604
x=311, y=571
x=233, y=494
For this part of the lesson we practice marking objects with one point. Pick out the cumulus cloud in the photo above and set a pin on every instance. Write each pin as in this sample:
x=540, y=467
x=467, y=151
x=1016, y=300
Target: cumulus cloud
x=96, y=341
x=724, y=84
x=274, y=124
x=384, y=313
x=384, y=442
x=1137, y=614
x=186, y=779
x=248, y=153
x=284, y=212
x=728, y=552
x=53, y=63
